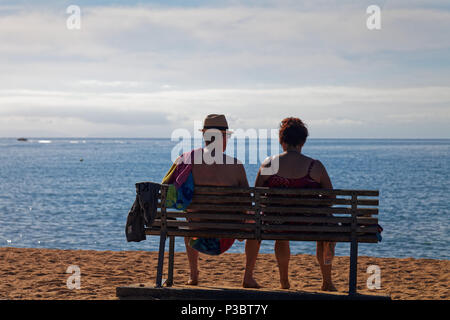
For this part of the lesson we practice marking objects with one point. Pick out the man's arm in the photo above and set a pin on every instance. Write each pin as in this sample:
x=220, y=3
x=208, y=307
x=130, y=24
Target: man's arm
x=243, y=182
x=261, y=178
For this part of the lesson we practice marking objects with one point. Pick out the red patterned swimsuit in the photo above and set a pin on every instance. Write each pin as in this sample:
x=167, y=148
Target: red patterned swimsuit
x=306, y=182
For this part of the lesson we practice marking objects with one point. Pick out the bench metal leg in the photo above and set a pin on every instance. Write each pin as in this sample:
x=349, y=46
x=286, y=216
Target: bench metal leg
x=169, y=281
x=353, y=278
x=162, y=247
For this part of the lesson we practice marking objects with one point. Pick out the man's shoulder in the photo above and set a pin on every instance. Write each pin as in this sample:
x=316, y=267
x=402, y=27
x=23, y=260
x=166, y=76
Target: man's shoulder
x=232, y=160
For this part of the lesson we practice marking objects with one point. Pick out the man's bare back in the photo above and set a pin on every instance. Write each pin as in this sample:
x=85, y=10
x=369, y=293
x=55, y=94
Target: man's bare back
x=230, y=173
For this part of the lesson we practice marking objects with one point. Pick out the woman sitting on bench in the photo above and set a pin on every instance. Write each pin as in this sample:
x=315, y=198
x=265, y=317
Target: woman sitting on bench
x=293, y=170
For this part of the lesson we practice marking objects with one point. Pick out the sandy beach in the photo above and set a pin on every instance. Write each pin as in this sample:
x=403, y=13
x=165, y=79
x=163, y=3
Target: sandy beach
x=41, y=273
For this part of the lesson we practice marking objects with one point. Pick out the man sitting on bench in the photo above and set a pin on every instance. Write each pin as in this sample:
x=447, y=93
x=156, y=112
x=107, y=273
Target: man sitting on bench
x=215, y=169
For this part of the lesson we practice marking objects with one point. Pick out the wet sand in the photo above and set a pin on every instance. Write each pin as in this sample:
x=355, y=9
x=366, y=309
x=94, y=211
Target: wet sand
x=41, y=273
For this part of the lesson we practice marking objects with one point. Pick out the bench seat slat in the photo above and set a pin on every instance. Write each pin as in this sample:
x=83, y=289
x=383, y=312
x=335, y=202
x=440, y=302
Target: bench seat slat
x=251, y=226
x=221, y=199
x=208, y=215
x=315, y=228
x=267, y=217
x=208, y=224
x=298, y=218
x=203, y=233
x=303, y=236
x=317, y=210
x=337, y=237
x=278, y=227
x=305, y=228
x=322, y=202
x=325, y=192
x=219, y=207
x=216, y=189
x=318, y=219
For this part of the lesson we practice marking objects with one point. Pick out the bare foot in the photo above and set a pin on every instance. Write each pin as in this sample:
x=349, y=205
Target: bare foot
x=328, y=287
x=285, y=284
x=193, y=281
x=250, y=283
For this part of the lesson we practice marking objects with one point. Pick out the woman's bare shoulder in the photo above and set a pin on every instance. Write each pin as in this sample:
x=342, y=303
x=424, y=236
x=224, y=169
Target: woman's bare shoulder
x=269, y=160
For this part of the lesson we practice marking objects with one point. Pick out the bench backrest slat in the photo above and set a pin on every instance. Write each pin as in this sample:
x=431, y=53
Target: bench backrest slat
x=273, y=213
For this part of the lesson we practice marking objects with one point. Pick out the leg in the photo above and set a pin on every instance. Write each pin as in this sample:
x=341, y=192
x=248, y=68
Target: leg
x=283, y=254
x=251, y=254
x=327, y=283
x=193, y=262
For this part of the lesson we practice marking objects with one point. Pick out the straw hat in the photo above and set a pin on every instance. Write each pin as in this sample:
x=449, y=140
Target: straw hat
x=216, y=121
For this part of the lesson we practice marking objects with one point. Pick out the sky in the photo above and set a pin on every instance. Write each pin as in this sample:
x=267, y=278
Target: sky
x=145, y=68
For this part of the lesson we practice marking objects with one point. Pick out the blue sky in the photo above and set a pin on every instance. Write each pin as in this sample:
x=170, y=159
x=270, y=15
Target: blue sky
x=146, y=68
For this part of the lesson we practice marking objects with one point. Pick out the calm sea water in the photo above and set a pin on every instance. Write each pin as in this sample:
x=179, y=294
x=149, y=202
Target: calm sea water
x=51, y=199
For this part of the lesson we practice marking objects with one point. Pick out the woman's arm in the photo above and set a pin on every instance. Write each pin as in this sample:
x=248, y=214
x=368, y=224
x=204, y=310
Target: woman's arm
x=325, y=181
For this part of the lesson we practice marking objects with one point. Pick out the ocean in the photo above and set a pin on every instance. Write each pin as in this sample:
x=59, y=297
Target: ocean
x=72, y=193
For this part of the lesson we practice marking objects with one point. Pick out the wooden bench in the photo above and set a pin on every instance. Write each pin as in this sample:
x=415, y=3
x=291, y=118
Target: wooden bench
x=270, y=214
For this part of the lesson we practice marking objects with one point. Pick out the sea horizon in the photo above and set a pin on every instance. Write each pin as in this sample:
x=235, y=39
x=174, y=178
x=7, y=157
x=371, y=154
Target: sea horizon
x=169, y=138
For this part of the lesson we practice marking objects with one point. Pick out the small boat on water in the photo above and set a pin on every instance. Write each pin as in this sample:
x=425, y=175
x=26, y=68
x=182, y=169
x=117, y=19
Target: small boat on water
x=22, y=139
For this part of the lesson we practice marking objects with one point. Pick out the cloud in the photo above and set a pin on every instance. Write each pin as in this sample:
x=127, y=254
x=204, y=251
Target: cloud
x=259, y=36
x=329, y=110
x=110, y=84
x=95, y=108
x=162, y=66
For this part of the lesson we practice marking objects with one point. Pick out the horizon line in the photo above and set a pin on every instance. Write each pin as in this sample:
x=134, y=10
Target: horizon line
x=169, y=138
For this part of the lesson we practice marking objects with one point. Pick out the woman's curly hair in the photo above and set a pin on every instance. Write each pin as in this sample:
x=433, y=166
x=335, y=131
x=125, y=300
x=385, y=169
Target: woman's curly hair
x=293, y=131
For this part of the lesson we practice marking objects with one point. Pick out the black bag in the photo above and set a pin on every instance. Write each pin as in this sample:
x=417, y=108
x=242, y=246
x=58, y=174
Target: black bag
x=147, y=193
x=134, y=228
x=143, y=211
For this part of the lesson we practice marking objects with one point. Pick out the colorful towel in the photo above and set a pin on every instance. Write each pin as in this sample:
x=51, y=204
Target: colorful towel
x=181, y=168
x=180, y=198
x=168, y=177
x=180, y=181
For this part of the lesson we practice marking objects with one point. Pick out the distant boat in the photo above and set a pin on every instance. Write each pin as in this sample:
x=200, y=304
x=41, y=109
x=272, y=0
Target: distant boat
x=22, y=139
